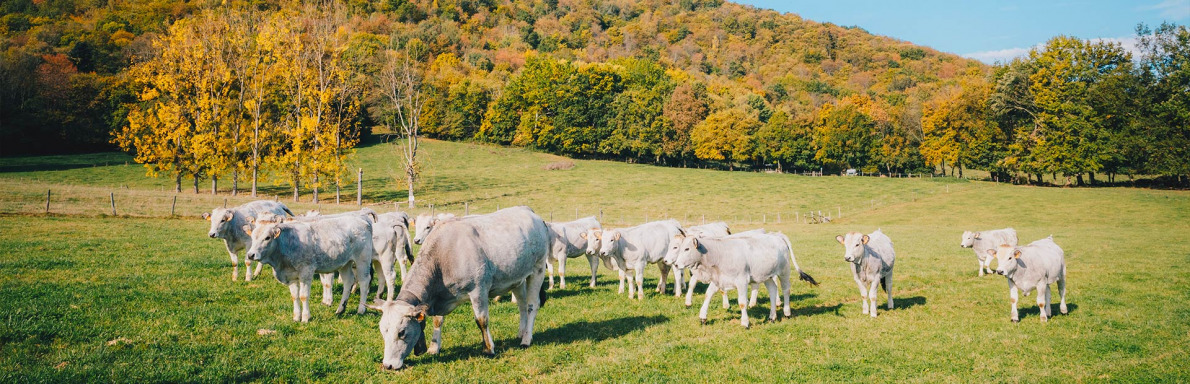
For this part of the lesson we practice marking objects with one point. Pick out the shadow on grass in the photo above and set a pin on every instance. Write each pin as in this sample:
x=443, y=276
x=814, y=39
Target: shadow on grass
x=569, y=333
x=906, y=303
x=1033, y=312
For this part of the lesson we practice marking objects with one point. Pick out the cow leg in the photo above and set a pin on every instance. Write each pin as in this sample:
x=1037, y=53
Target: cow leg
x=726, y=301
x=621, y=291
x=888, y=289
x=259, y=266
x=863, y=293
x=690, y=291
x=388, y=274
x=348, y=277
x=235, y=264
x=304, y=295
x=664, y=268
x=771, y=288
x=785, y=294
x=742, y=293
x=533, y=304
x=1062, y=292
x=479, y=305
x=776, y=281
x=379, y=278
x=522, y=304
x=327, y=280
x=403, y=271
x=702, y=313
x=562, y=272
x=640, y=280
x=679, y=276
x=1013, y=295
x=436, y=341
x=549, y=269
x=594, y=261
x=755, y=288
x=1043, y=302
x=294, y=292
x=982, y=266
x=872, y=290
x=363, y=274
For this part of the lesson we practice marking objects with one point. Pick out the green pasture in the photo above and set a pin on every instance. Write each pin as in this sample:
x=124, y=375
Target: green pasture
x=144, y=297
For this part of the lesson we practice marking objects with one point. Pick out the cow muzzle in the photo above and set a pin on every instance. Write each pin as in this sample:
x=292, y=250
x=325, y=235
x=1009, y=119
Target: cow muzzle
x=393, y=367
x=253, y=256
x=211, y=234
x=417, y=241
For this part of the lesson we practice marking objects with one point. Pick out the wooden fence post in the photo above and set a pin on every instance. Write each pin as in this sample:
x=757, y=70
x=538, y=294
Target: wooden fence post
x=600, y=215
x=224, y=203
x=840, y=211
x=359, y=187
x=778, y=217
x=113, y=197
x=173, y=206
x=47, y=201
x=467, y=208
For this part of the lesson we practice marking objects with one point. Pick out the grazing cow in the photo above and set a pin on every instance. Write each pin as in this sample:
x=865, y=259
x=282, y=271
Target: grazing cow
x=568, y=240
x=635, y=247
x=1034, y=266
x=425, y=223
x=226, y=224
x=871, y=258
x=737, y=262
x=476, y=257
x=298, y=250
x=390, y=239
x=982, y=241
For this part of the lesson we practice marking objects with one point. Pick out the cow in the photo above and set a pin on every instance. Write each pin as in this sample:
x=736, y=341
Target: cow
x=715, y=229
x=380, y=241
x=568, y=240
x=737, y=262
x=635, y=247
x=390, y=240
x=1034, y=266
x=982, y=241
x=594, y=243
x=871, y=259
x=425, y=223
x=696, y=273
x=226, y=224
x=476, y=257
x=297, y=250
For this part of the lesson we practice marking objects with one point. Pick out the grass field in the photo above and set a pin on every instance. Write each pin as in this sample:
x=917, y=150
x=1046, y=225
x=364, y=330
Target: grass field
x=88, y=297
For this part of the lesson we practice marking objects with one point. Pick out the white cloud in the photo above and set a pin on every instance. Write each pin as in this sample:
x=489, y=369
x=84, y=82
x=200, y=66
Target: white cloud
x=1129, y=44
x=1172, y=9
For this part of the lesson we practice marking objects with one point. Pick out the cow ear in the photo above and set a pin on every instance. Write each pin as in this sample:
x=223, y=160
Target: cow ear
x=227, y=216
x=1016, y=254
x=276, y=231
x=866, y=238
x=250, y=219
x=839, y=238
x=583, y=235
x=616, y=236
x=378, y=305
x=695, y=242
x=247, y=229
x=992, y=252
x=206, y=216
x=976, y=236
x=419, y=313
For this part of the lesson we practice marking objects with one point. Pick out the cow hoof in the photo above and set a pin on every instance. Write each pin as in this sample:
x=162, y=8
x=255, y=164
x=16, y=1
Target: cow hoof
x=523, y=346
x=1016, y=320
x=702, y=321
x=687, y=306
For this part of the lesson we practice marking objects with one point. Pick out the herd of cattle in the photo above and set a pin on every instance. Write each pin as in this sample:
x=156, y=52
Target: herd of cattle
x=511, y=251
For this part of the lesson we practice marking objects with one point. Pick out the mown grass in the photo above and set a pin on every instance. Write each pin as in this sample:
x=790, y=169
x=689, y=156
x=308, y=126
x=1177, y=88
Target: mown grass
x=150, y=299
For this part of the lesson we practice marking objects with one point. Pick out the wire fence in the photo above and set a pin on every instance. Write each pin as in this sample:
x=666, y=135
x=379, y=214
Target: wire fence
x=32, y=197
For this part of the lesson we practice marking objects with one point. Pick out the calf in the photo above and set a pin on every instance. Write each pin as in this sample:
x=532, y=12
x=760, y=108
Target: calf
x=390, y=240
x=1034, y=266
x=226, y=224
x=738, y=262
x=298, y=250
x=568, y=240
x=871, y=259
x=475, y=257
x=716, y=229
x=634, y=248
x=982, y=241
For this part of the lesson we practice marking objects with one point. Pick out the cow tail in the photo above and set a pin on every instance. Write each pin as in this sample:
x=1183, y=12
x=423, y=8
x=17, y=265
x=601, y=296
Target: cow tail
x=542, y=296
x=800, y=274
x=408, y=248
x=287, y=211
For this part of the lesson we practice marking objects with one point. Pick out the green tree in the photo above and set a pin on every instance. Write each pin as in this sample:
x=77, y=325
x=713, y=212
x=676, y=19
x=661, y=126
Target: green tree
x=725, y=136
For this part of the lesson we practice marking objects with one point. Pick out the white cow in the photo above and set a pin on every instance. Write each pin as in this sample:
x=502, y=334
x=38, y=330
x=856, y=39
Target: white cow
x=226, y=224
x=982, y=241
x=568, y=240
x=871, y=259
x=298, y=250
x=738, y=262
x=1034, y=266
x=424, y=223
x=476, y=258
x=390, y=239
x=715, y=229
x=635, y=247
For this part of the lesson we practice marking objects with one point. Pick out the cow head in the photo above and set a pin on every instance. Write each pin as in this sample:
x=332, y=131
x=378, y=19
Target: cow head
x=1006, y=259
x=263, y=240
x=594, y=238
x=608, y=241
x=401, y=327
x=853, y=246
x=220, y=219
x=969, y=239
x=671, y=255
x=422, y=226
x=689, y=253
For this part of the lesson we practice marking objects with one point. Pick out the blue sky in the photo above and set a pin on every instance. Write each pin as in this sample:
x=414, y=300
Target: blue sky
x=989, y=31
